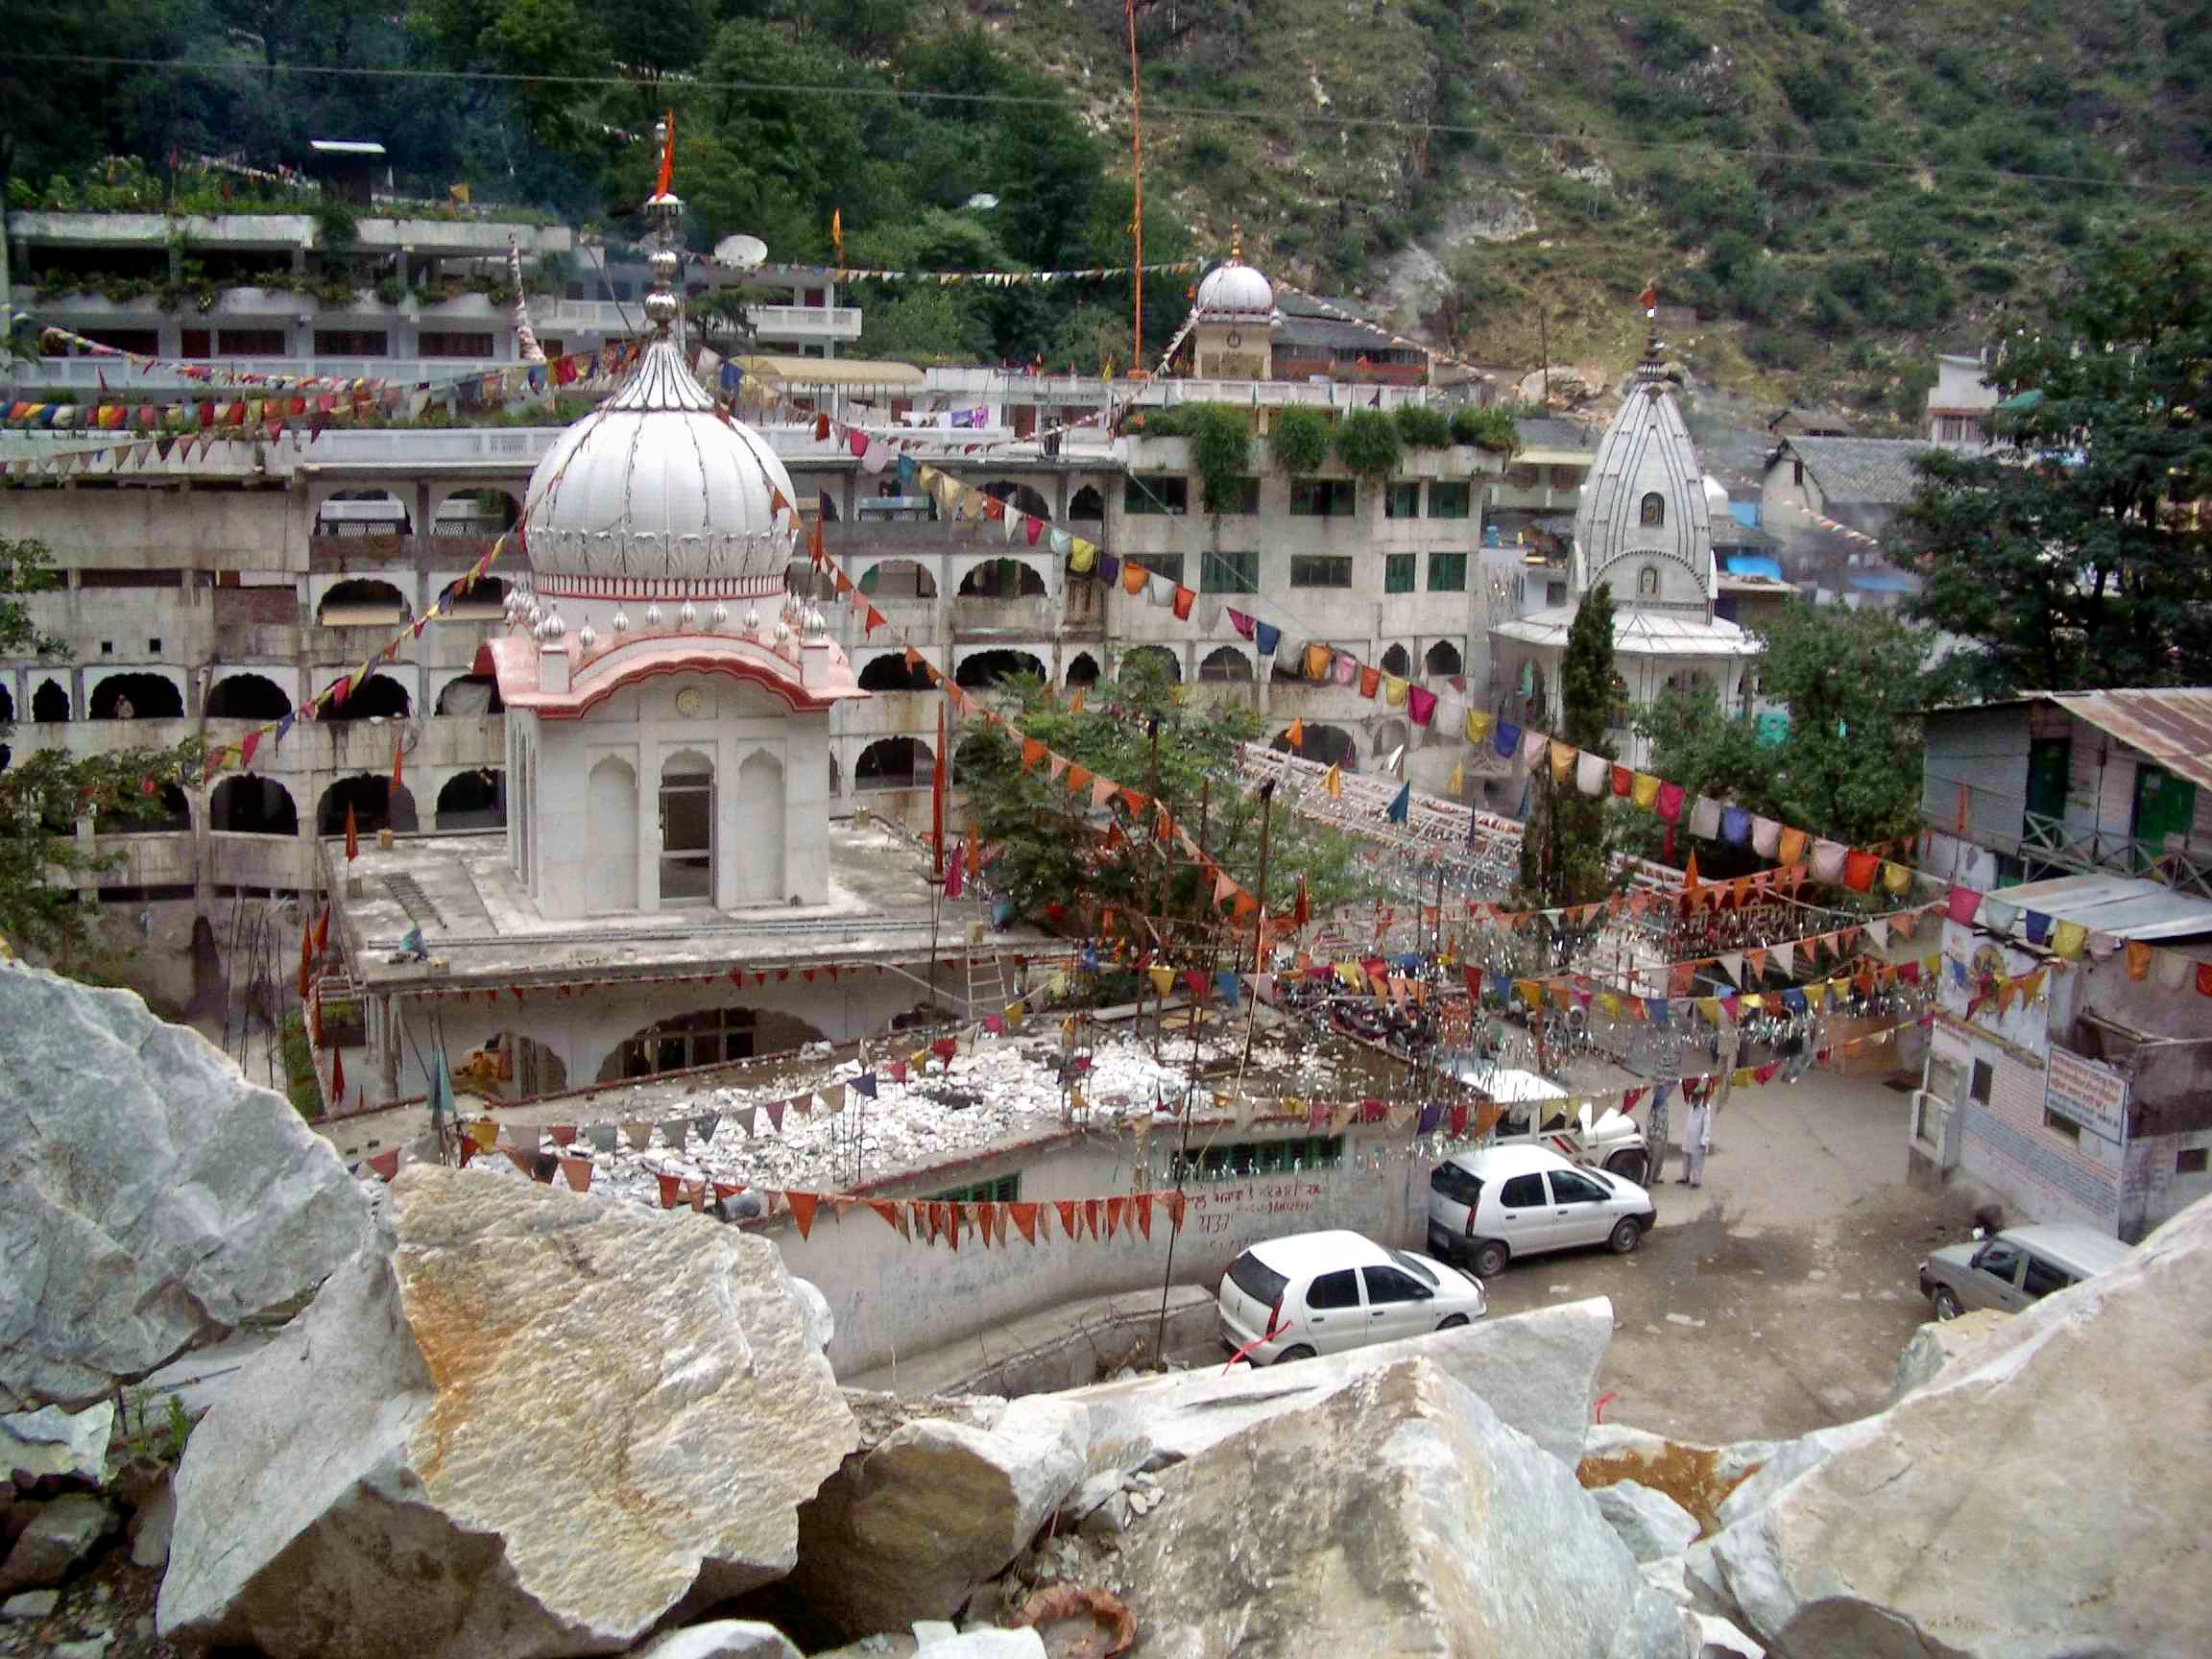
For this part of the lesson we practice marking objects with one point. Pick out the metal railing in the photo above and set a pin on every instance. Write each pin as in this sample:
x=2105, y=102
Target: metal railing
x=2056, y=844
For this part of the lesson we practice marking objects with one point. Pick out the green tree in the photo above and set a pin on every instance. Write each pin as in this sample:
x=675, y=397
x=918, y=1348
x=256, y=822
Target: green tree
x=2075, y=555
x=1368, y=444
x=1053, y=847
x=45, y=792
x=1846, y=761
x=1563, y=848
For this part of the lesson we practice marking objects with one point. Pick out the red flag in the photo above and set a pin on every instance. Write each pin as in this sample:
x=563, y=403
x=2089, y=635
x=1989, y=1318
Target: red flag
x=306, y=955
x=667, y=153
x=337, y=1077
x=323, y=931
x=1025, y=1218
x=1650, y=297
x=385, y=1164
x=352, y=836
x=1067, y=1208
x=399, y=761
x=802, y=1209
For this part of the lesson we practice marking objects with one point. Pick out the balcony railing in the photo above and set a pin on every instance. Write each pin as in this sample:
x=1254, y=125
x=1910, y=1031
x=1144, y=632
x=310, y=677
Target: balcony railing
x=2092, y=849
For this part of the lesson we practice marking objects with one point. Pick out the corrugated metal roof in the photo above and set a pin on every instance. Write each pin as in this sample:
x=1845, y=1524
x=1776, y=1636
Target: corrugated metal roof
x=2120, y=905
x=2173, y=728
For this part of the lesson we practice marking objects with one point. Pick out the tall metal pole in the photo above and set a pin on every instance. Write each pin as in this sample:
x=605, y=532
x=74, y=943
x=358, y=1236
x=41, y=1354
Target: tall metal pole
x=1259, y=922
x=1136, y=173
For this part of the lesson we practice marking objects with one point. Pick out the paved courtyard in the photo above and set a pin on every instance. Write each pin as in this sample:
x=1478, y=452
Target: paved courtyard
x=1775, y=1298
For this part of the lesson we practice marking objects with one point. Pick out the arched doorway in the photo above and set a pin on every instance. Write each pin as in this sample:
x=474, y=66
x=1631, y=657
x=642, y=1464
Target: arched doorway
x=985, y=669
x=473, y=799
x=890, y=673
x=50, y=704
x=137, y=697
x=1083, y=669
x=687, y=828
x=898, y=579
x=248, y=805
x=761, y=829
x=361, y=602
x=357, y=512
x=1003, y=579
x=471, y=694
x=1225, y=663
x=1325, y=745
x=378, y=696
x=1086, y=503
x=246, y=697
x=1390, y=735
x=712, y=1037
x=376, y=805
x=1019, y=498
x=1152, y=662
x=610, y=809
x=893, y=763
x=475, y=513
x=1396, y=660
x=1443, y=660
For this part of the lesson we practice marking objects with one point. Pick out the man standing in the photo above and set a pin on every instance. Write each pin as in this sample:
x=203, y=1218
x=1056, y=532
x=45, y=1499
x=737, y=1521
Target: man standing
x=1696, y=1139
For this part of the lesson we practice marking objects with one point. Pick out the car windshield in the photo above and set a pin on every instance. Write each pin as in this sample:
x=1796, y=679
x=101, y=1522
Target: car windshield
x=1256, y=1279
x=1414, y=1266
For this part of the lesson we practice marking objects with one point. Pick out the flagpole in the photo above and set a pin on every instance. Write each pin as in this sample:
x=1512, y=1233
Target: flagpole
x=1137, y=172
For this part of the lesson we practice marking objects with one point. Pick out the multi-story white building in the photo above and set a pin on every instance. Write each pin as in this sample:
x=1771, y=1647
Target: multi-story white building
x=211, y=590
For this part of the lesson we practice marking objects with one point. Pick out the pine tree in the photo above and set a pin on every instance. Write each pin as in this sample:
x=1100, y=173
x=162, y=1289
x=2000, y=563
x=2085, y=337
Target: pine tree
x=1563, y=848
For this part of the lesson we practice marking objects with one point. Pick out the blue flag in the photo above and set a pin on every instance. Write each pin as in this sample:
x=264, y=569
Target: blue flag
x=1266, y=638
x=1404, y=804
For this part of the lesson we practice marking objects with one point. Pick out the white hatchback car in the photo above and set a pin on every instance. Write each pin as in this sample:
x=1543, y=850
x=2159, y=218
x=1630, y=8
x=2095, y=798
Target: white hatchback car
x=1490, y=1205
x=1323, y=1293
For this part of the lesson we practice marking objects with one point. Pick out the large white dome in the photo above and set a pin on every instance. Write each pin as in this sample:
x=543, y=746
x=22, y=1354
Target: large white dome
x=1235, y=290
x=656, y=494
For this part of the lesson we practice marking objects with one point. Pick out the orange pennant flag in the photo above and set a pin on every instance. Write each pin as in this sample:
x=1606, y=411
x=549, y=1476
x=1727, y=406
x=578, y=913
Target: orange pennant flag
x=802, y=1209
x=1091, y=1215
x=1067, y=1208
x=1143, y=1206
x=352, y=836
x=1113, y=1210
x=1297, y=732
x=1032, y=752
x=1025, y=1220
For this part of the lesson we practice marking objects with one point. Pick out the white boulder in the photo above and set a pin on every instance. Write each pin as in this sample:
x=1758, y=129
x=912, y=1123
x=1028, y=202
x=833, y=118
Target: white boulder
x=544, y=1422
x=52, y=1441
x=2048, y=1495
x=1652, y=1523
x=723, y=1638
x=154, y=1196
x=1395, y=1515
x=907, y=1529
x=1536, y=1370
x=1940, y=1342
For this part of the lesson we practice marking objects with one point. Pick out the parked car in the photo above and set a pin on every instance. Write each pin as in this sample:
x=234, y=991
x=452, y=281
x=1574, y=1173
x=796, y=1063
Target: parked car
x=1323, y=1293
x=2018, y=1267
x=1611, y=1141
x=1488, y=1206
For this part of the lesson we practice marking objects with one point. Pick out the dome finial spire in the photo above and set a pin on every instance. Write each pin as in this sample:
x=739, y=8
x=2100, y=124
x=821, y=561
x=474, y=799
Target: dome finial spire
x=665, y=208
x=1236, y=244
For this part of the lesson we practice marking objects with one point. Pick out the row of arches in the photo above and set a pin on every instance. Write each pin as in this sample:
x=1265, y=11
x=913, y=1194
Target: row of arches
x=1224, y=665
x=472, y=512
x=366, y=601
x=688, y=814
x=247, y=696
x=248, y=804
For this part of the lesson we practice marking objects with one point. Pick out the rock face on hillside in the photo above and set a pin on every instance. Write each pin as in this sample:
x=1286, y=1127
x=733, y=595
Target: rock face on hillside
x=1395, y=1515
x=2048, y=1494
x=546, y=1420
x=154, y=1195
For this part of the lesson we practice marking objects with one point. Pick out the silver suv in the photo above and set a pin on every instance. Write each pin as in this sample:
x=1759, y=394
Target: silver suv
x=2018, y=1267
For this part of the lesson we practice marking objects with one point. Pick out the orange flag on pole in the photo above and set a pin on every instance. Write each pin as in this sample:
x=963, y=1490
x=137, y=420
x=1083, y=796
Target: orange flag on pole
x=352, y=836
x=667, y=153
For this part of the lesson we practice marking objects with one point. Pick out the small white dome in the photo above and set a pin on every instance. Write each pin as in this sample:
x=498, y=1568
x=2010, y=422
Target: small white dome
x=1235, y=290
x=657, y=486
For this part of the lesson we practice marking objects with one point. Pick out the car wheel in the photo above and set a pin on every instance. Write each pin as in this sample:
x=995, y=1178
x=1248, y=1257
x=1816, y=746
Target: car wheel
x=1451, y=1322
x=1300, y=1351
x=1946, y=1302
x=1627, y=1233
x=1632, y=1166
x=1490, y=1258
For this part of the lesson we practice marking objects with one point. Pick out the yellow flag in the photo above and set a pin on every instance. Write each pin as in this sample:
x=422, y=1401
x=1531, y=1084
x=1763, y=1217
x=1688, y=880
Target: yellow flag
x=1477, y=727
x=1163, y=979
x=1334, y=781
x=837, y=232
x=1459, y=784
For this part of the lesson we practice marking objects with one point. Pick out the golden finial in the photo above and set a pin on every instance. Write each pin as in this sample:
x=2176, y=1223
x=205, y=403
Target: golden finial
x=1235, y=244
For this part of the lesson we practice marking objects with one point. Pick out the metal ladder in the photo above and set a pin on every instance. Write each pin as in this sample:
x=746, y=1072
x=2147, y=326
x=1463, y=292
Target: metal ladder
x=991, y=984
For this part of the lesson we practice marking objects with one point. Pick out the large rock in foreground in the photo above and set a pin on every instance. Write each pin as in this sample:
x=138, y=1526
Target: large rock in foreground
x=908, y=1530
x=1397, y=1515
x=154, y=1195
x=545, y=1421
x=2048, y=1494
x=1536, y=1370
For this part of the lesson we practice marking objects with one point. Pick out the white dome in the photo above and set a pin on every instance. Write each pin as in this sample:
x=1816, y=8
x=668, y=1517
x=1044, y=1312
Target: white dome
x=657, y=493
x=1235, y=289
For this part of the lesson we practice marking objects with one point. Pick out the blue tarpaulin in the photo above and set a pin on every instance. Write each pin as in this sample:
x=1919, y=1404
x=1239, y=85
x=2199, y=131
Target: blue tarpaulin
x=1753, y=565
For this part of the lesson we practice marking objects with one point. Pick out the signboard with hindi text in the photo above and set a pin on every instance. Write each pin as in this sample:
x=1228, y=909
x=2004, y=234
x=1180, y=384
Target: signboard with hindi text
x=2087, y=1092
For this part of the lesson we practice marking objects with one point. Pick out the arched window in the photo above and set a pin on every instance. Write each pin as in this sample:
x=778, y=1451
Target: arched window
x=1396, y=662
x=471, y=694
x=1648, y=582
x=1654, y=510
x=889, y=673
x=250, y=806
x=1226, y=662
x=473, y=799
x=378, y=695
x=50, y=703
x=475, y=513
x=1020, y=496
x=1083, y=669
x=361, y=603
x=1153, y=660
x=376, y=805
x=898, y=579
x=987, y=668
x=1086, y=503
x=1443, y=658
x=893, y=763
x=136, y=697
x=172, y=812
x=1003, y=579
x=246, y=697
x=687, y=829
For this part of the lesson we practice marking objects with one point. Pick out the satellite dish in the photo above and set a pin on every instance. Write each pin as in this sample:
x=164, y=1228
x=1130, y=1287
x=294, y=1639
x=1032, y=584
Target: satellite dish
x=743, y=253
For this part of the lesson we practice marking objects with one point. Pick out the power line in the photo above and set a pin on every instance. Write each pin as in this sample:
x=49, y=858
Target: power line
x=1170, y=113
